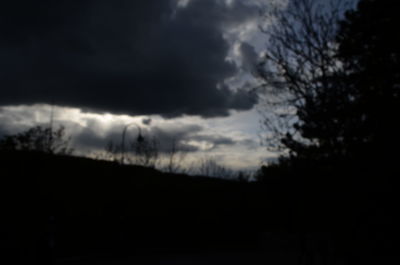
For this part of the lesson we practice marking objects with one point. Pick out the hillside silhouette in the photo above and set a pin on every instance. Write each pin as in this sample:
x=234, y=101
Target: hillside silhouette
x=98, y=208
x=68, y=210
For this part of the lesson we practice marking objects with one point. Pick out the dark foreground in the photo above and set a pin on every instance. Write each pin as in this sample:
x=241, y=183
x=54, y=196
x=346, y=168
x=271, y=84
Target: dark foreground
x=65, y=210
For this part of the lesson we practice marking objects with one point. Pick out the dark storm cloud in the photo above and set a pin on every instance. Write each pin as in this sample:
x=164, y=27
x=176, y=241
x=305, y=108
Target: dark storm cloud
x=147, y=121
x=135, y=57
x=250, y=58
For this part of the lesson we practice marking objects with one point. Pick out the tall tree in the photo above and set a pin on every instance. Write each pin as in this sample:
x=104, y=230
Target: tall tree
x=337, y=75
x=369, y=48
x=302, y=76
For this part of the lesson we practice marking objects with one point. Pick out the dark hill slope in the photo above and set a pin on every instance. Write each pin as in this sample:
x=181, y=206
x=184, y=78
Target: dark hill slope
x=57, y=208
x=95, y=207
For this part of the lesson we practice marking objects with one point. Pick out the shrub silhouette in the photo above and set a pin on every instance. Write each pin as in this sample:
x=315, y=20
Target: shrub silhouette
x=40, y=139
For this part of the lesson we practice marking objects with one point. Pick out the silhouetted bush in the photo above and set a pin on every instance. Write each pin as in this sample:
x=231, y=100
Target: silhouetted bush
x=40, y=139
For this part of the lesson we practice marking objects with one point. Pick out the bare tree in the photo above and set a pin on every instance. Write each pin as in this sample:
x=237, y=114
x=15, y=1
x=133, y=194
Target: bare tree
x=175, y=158
x=41, y=139
x=299, y=71
x=112, y=152
x=146, y=151
x=211, y=168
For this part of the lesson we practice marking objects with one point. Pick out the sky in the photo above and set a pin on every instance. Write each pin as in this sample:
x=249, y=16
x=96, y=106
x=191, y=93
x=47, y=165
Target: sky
x=179, y=69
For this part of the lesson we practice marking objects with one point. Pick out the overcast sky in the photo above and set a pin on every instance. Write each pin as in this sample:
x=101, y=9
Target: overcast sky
x=178, y=68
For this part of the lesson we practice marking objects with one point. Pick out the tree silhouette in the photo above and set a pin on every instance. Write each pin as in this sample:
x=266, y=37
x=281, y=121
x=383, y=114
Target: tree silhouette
x=300, y=73
x=175, y=158
x=334, y=79
x=146, y=150
x=143, y=151
x=38, y=138
x=369, y=48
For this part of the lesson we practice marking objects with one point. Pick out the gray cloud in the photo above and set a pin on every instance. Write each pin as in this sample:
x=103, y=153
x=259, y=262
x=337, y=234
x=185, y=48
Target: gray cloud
x=183, y=136
x=90, y=132
x=250, y=58
x=214, y=140
x=135, y=57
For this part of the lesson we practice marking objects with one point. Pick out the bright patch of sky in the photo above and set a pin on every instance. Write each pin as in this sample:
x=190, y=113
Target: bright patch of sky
x=231, y=141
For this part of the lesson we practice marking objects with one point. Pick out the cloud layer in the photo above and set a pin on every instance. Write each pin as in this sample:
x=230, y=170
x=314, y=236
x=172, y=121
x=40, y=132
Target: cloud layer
x=218, y=138
x=134, y=57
